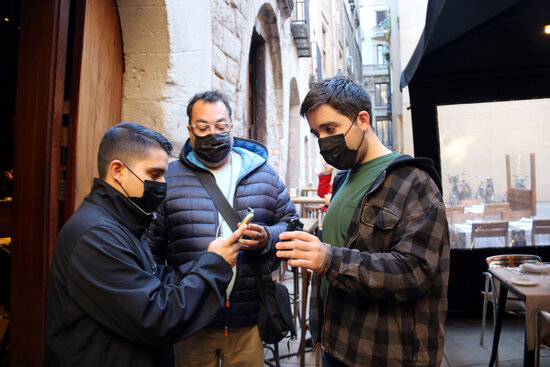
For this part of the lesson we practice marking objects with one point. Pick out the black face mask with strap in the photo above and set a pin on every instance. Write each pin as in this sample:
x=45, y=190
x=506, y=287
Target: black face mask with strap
x=154, y=193
x=336, y=152
x=212, y=147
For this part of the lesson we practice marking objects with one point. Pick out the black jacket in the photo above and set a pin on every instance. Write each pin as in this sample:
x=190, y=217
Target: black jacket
x=108, y=304
x=188, y=220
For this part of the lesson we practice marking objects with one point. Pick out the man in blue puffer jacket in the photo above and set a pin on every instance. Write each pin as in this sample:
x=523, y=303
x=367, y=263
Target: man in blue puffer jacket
x=188, y=220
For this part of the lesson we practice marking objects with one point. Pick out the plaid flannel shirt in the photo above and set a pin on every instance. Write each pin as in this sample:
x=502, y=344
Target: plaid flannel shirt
x=387, y=297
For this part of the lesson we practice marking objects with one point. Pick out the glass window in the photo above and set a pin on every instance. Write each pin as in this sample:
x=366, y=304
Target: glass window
x=491, y=155
x=381, y=94
x=384, y=131
x=380, y=17
x=382, y=53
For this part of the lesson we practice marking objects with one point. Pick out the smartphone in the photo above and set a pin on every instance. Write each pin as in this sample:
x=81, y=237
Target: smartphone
x=292, y=225
x=248, y=215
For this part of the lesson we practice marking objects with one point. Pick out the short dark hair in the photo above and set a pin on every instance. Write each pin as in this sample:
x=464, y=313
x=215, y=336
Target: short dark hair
x=344, y=95
x=209, y=96
x=128, y=142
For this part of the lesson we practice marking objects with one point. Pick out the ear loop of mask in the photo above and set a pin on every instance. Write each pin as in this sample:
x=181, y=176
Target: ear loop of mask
x=128, y=196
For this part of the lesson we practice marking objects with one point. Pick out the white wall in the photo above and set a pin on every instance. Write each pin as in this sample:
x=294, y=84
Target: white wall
x=476, y=137
x=408, y=19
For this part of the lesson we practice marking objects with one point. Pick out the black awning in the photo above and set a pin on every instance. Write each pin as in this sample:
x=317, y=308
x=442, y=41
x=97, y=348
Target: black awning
x=475, y=51
x=449, y=20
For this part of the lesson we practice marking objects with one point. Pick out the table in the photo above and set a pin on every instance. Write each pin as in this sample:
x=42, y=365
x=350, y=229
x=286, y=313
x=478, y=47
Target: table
x=536, y=297
x=519, y=234
x=310, y=224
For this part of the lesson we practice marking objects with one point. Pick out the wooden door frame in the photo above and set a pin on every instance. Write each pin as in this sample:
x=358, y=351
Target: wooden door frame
x=37, y=136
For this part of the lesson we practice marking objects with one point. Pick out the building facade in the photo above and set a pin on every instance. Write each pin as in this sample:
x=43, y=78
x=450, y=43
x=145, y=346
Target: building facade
x=376, y=67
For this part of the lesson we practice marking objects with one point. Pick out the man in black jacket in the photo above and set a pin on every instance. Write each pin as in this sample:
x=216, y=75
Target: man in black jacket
x=108, y=303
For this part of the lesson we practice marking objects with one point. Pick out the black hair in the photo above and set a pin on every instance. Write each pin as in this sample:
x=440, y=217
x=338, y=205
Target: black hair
x=128, y=142
x=210, y=96
x=342, y=94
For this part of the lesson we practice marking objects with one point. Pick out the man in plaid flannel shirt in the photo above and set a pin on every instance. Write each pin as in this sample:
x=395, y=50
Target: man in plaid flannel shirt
x=379, y=294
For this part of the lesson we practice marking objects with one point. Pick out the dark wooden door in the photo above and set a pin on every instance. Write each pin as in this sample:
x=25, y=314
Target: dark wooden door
x=95, y=96
x=96, y=93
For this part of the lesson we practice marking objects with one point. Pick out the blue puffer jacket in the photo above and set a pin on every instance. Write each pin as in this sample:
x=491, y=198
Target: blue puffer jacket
x=188, y=219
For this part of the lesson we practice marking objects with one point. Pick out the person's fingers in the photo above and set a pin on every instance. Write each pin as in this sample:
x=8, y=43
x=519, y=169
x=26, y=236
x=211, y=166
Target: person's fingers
x=300, y=235
x=299, y=263
x=237, y=234
x=295, y=254
x=249, y=242
x=251, y=234
x=295, y=245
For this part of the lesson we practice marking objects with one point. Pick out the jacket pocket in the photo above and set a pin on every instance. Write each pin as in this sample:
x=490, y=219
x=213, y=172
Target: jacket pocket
x=376, y=229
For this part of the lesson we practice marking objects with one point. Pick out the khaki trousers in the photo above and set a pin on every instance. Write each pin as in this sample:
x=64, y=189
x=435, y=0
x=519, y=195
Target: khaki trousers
x=242, y=347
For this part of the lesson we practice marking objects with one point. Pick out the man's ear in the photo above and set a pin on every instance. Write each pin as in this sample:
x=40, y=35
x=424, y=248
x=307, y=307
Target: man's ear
x=116, y=170
x=363, y=120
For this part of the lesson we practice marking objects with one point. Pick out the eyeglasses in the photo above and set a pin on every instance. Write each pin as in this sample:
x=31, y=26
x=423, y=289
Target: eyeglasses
x=203, y=128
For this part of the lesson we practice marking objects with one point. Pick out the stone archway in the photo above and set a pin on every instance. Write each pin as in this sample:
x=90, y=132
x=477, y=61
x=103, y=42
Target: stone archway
x=270, y=99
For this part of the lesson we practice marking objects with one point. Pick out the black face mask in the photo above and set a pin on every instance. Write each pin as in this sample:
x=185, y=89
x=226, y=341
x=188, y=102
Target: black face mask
x=213, y=147
x=154, y=193
x=335, y=151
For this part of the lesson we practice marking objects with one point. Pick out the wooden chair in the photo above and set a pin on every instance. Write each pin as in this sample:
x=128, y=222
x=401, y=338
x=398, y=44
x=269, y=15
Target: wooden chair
x=494, y=211
x=522, y=198
x=463, y=217
x=490, y=292
x=453, y=209
x=470, y=202
x=512, y=215
x=540, y=226
x=490, y=229
x=498, y=206
x=492, y=214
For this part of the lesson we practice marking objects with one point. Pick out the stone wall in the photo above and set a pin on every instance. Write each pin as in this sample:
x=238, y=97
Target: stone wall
x=176, y=48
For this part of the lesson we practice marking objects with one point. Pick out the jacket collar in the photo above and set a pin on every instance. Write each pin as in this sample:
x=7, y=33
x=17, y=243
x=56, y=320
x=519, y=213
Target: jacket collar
x=118, y=207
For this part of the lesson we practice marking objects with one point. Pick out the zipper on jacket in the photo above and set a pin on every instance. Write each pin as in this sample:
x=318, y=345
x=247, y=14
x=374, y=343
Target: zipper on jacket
x=226, y=328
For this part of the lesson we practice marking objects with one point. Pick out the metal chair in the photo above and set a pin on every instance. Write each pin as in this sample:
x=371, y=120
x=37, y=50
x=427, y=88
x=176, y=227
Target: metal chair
x=540, y=226
x=490, y=292
x=542, y=333
x=490, y=229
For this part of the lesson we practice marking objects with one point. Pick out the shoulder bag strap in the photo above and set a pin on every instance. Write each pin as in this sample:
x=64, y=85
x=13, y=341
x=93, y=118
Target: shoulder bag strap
x=229, y=214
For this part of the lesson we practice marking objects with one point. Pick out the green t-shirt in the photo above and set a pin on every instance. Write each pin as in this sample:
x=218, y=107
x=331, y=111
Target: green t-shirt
x=344, y=202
